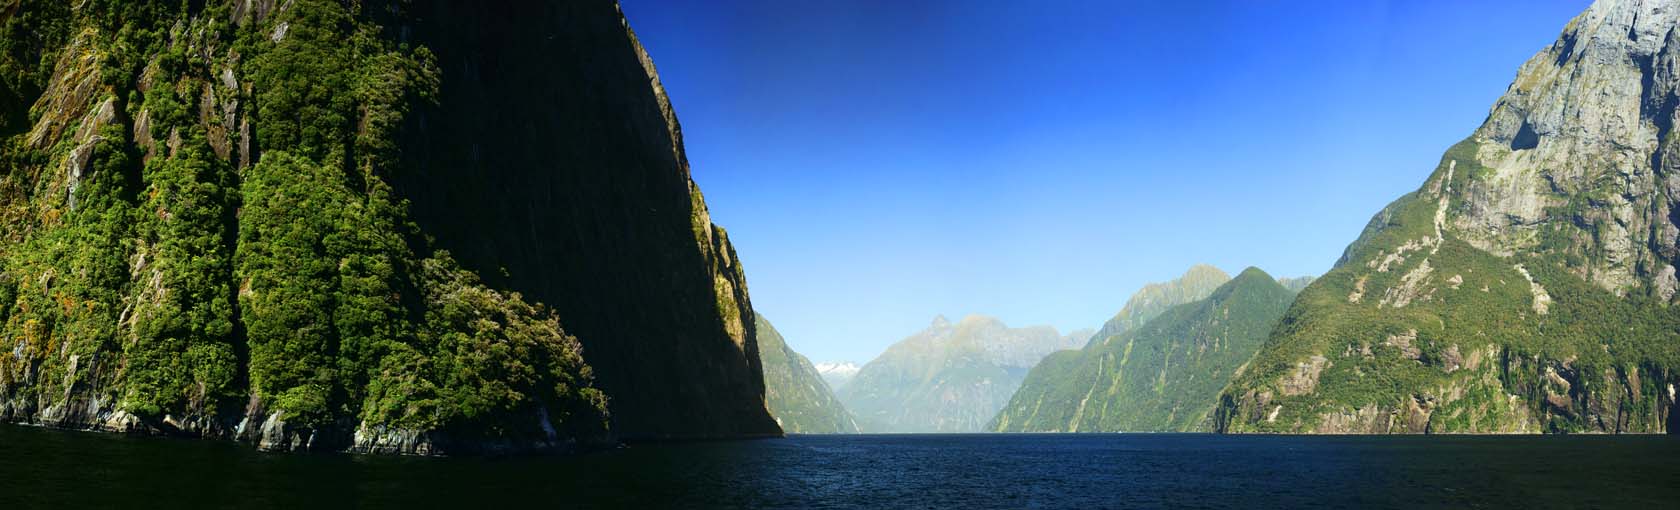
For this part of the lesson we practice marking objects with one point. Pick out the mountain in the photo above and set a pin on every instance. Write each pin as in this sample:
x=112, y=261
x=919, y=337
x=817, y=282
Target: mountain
x=837, y=373
x=948, y=377
x=1162, y=376
x=1528, y=285
x=1154, y=298
x=798, y=398
x=1296, y=284
x=417, y=227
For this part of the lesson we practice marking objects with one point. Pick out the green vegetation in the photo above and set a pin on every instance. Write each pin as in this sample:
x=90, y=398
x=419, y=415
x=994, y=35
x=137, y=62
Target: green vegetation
x=146, y=267
x=1164, y=375
x=1153, y=299
x=1470, y=351
x=799, y=399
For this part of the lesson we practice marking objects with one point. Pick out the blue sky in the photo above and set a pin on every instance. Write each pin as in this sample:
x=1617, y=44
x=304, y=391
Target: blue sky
x=880, y=162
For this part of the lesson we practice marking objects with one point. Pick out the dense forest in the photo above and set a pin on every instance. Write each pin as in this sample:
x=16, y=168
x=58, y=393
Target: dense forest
x=223, y=219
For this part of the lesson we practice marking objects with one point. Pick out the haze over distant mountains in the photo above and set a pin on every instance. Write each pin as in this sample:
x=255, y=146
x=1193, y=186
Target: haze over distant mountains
x=950, y=377
x=837, y=373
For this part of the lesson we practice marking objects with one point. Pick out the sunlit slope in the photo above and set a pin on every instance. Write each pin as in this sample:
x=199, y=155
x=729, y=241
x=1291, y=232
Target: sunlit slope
x=1528, y=285
x=1164, y=375
x=797, y=395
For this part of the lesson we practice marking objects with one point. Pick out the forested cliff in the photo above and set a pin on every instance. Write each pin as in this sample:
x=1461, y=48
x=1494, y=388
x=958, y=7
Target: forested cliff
x=409, y=226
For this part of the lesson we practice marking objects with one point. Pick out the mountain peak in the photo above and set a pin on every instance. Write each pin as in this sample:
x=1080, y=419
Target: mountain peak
x=1204, y=271
x=1249, y=281
x=1296, y=284
x=1593, y=107
x=940, y=322
x=1559, y=209
x=948, y=379
x=837, y=367
x=1196, y=283
x=1253, y=272
x=1162, y=375
x=975, y=319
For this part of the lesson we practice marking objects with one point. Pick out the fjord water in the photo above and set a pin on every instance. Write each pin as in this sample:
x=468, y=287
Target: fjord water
x=51, y=468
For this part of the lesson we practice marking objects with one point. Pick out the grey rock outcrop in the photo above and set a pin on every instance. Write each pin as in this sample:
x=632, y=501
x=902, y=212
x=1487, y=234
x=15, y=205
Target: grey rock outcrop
x=1529, y=284
x=1586, y=123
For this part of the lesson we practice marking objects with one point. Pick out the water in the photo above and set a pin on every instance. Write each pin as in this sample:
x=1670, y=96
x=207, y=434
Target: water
x=50, y=468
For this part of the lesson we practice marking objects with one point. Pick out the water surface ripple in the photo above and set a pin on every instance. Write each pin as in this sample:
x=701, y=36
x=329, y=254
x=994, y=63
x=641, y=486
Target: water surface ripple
x=49, y=468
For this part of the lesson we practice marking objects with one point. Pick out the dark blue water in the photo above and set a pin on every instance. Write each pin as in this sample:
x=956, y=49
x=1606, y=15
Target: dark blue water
x=49, y=468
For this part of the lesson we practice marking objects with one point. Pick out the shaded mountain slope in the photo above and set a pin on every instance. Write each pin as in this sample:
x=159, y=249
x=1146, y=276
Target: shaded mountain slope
x=410, y=227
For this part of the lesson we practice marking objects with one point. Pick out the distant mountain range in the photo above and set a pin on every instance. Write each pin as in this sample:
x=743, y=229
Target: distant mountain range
x=837, y=373
x=1163, y=375
x=949, y=377
x=1296, y=284
x=1155, y=298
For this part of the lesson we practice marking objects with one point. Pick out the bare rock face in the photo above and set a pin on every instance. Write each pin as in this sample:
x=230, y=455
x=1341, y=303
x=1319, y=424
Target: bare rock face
x=1529, y=283
x=1587, y=121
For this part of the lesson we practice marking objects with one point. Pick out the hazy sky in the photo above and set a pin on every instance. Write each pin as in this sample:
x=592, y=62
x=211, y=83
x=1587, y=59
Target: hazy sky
x=877, y=163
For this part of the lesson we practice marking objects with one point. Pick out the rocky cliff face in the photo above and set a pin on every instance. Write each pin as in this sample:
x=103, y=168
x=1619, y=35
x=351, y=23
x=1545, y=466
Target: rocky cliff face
x=316, y=225
x=553, y=130
x=798, y=396
x=949, y=377
x=1528, y=285
x=1162, y=376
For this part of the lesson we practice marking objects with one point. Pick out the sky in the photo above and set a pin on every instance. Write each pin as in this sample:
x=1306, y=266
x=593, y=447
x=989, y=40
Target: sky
x=877, y=163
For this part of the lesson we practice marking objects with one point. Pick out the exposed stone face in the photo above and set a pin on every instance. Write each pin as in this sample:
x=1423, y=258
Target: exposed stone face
x=1589, y=118
x=1551, y=231
x=1304, y=379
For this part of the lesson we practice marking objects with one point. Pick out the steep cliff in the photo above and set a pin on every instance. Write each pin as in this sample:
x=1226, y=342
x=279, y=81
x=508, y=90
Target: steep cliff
x=1528, y=285
x=311, y=224
x=798, y=397
x=949, y=377
x=1162, y=376
x=552, y=129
